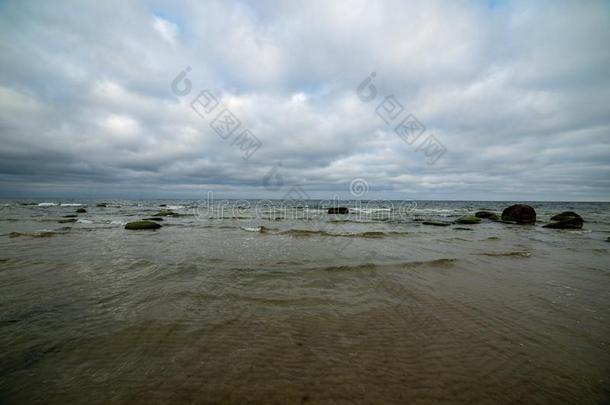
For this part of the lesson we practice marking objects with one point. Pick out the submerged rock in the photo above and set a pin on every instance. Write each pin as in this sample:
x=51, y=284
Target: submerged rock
x=570, y=223
x=70, y=216
x=461, y=228
x=436, y=223
x=338, y=210
x=487, y=215
x=468, y=220
x=137, y=225
x=166, y=213
x=565, y=215
x=81, y=211
x=103, y=205
x=519, y=213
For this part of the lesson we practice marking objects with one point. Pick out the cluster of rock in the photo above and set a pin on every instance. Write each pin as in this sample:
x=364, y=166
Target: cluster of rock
x=152, y=222
x=516, y=214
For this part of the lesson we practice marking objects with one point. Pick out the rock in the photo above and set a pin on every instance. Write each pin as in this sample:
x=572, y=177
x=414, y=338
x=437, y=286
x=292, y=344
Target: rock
x=468, y=220
x=137, y=225
x=436, y=223
x=487, y=215
x=519, y=213
x=338, y=210
x=81, y=211
x=460, y=228
x=70, y=216
x=153, y=219
x=103, y=205
x=166, y=213
x=565, y=215
x=162, y=205
x=570, y=223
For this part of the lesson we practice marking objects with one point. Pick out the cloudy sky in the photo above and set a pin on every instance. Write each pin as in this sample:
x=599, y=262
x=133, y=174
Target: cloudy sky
x=513, y=97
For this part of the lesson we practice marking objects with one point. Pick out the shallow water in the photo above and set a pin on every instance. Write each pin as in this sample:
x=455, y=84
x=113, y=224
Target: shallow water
x=263, y=304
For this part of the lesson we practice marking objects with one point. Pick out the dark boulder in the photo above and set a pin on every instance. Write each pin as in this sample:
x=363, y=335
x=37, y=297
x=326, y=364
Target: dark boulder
x=102, y=205
x=519, y=213
x=487, y=215
x=436, y=223
x=565, y=215
x=570, y=223
x=338, y=210
x=468, y=220
x=81, y=211
x=138, y=225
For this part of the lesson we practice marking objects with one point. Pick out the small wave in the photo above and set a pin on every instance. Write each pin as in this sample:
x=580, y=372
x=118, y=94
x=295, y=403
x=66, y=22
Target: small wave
x=259, y=229
x=367, y=234
x=304, y=232
x=369, y=210
x=45, y=233
x=356, y=221
x=47, y=204
x=435, y=263
x=84, y=221
x=71, y=205
x=502, y=254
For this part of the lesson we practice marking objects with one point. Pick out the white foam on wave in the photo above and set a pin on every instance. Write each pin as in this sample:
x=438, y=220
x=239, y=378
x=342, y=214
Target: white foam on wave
x=175, y=207
x=370, y=210
x=84, y=221
x=71, y=205
x=47, y=204
x=252, y=229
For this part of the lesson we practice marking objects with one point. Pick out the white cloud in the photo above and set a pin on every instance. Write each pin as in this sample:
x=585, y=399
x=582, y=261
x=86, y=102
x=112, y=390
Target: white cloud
x=519, y=94
x=167, y=29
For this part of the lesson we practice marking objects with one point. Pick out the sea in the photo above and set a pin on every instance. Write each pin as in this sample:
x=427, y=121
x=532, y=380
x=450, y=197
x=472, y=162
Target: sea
x=280, y=302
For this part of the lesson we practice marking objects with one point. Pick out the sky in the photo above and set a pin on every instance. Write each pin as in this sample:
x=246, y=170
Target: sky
x=466, y=100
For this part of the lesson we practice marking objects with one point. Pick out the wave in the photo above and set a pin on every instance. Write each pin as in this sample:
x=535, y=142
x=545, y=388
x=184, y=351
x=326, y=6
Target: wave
x=45, y=233
x=369, y=210
x=259, y=229
x=71, y=205
x=367, y=234
x=435, y=263
x=47, y=204
x=501, y=254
